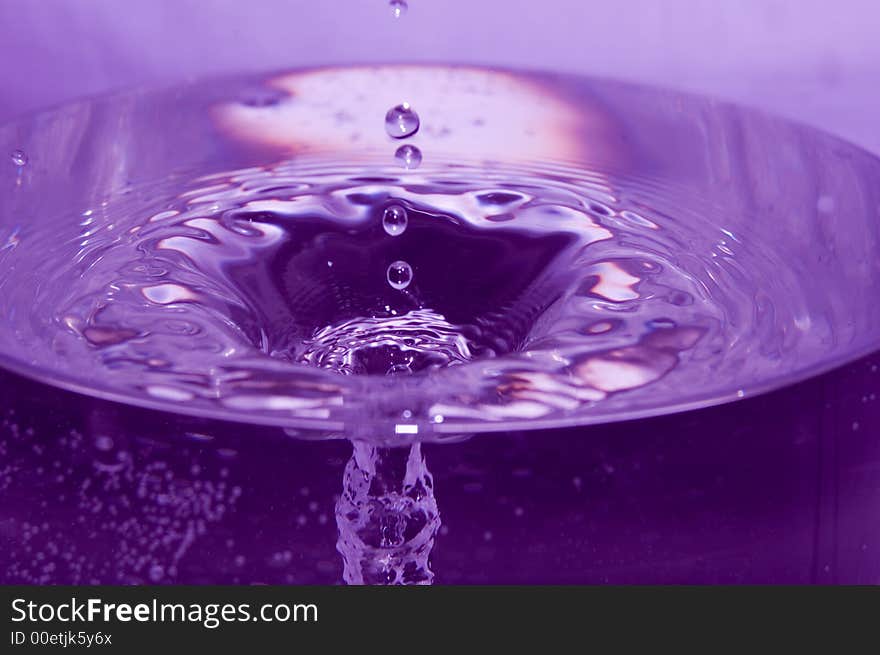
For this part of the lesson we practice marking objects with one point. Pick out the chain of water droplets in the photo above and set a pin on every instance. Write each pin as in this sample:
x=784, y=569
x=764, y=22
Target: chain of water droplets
x=401, y=122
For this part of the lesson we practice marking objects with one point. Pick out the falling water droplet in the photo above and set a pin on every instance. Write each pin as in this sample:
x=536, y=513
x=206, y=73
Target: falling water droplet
x=398, y=8
x=399, y=275
x=409, y=156
x=401, y=121
x=395, y=220
x=19, y=157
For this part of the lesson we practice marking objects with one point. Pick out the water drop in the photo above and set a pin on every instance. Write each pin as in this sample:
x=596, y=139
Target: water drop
x=399, y=275
x=409, y=156
x=398, y=8
x=401, y=121
x=395, y=220
x=20, y=158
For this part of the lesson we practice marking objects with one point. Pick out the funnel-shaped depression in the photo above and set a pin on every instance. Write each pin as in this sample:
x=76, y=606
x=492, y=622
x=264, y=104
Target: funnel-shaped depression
x=671, y=261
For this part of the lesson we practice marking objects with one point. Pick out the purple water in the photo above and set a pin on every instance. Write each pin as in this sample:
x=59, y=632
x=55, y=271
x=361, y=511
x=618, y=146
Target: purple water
x=611, y=252
x=253, y=293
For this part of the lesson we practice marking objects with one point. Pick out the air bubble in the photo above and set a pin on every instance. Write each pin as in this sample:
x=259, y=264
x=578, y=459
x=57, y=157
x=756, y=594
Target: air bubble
x=104, y=443
x=19, y=157
x=409, y=156
x=399, y=275
x=401, y=121
x=394, y=220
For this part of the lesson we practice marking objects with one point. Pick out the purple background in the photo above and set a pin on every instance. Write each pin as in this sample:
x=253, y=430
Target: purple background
x=812, y=60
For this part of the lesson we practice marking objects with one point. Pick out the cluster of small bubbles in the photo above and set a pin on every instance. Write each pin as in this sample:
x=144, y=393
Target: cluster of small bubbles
x=401, y=121
x=398, y=8
x=399, y=275
x=395, y=220
x=408, y=156
x=149, y=513
x=19, y=157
